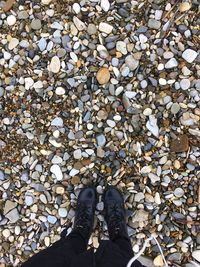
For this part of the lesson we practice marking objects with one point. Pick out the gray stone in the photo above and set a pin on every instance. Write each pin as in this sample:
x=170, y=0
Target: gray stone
x=175, y=108
x=9, y=205
x=36, y=24
x=131, y=62
x=13, y=216
x=154, y=24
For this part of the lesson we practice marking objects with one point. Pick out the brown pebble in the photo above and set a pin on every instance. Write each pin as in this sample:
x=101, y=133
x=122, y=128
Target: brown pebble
x=8, y=5
x=103, y=76
x=181, y=144
x=75, y=180
x=185, y=6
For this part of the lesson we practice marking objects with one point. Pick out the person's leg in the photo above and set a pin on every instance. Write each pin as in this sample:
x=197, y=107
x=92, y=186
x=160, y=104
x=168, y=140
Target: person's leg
x=62, y=253
x=115, y=217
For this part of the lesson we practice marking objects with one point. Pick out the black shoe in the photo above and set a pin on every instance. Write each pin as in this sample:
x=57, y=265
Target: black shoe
x=115, y=213
x=84, y=216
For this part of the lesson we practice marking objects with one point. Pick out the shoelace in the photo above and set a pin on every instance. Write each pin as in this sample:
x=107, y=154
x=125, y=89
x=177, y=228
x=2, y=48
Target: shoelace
x=143, y=249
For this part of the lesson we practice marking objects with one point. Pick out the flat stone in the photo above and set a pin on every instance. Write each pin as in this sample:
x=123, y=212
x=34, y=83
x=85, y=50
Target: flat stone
x=121, y=47
x=184, y=6
x=77, y=154
x=140, y=216
x=131, y=62
x=55, y=169
x=101, y=140
x=103, y=76
x=55, y=64
x=179, y=192
x=62, y=212
x=91, y=29
x=175, y=108
x=138, y=197
x=196, y=255
x=79, y=24
x=181, y=144
x=52, y=219
x=11, y=20
x=13, y=216
x=13, y=43
x=75, y=180
x=105, y=27
x=36, y=24
x=42, y=44
x=46, y=2
x=76, y=7
x=189, y=55
x=105, y=5
x=28, y=200
x=58, y=122
x=2, y=175
x=185, y=84
x=60, y=91
x=172, y=63
x=154, y=24
x=158, y=261
x=9, y=205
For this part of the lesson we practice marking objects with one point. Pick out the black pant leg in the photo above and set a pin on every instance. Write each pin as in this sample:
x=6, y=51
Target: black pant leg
x=125, y=245
x=60, y=254
x=126, y=248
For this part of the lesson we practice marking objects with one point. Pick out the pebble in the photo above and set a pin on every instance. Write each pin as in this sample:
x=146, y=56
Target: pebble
x=138, y=197
x=179, y=192
x=105, y=27
x=55, y=169
x=58, y=122
x=76, y=8
x=103, y=76
x=62, y=212
x=52, y=219
x=13, y=43
x=184, y=6
x=158, y=261
x=196, y=255
x=13, y=216
x=77, y=154
x=175, y=108
x=46, y=2
x=36, y=24
x=60, y=91
x=92, y=29
x=28, y=200
x=185, y=84
x=11, y=20
x=55, y=64
x=42, y=44
x=131, y=62
x=79, y=24
x=101, y=140
x=154, y=24
x=2, y=176
x=105, y=5
x=172, y=63
x=152, y=125
x=121, y=47
x=189, y=55
x=180, y=144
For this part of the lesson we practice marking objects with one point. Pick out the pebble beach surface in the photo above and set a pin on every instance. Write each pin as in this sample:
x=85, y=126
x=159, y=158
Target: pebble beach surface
x=102, y=92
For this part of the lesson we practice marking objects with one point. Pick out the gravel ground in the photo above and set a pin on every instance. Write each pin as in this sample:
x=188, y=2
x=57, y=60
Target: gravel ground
x=105, y=93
